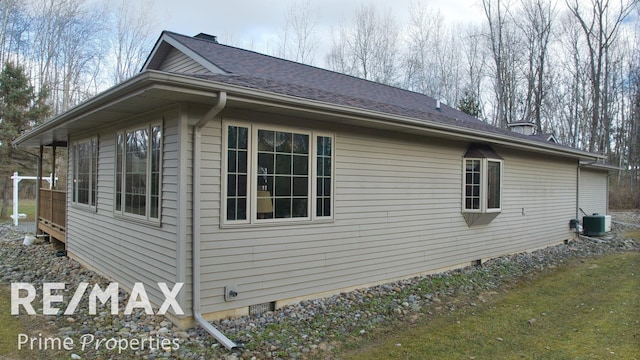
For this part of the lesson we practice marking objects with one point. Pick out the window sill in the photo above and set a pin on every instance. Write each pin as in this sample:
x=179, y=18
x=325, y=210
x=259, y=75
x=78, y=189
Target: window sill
x=268, y=224
x=479, y=218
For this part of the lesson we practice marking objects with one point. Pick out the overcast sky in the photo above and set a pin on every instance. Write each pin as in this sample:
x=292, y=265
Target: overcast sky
x=256, y=24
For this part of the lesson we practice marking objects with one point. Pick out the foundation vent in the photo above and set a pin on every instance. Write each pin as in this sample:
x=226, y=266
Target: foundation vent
x=260, y=309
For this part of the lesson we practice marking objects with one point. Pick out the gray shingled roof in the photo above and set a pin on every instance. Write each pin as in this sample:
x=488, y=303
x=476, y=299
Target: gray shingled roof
x=258, y=71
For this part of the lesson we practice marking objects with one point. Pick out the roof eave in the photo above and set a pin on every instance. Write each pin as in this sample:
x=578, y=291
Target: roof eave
x=144, y=81
x=207, y=88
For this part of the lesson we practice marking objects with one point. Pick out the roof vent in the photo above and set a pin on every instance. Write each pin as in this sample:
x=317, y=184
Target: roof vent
x=207, y=37
x=438, y=104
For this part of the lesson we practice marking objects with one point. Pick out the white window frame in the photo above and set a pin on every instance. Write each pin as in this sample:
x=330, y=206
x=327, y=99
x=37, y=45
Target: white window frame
x=252, y=161
x=484, y=185
x=148, y=184
x=93, y=177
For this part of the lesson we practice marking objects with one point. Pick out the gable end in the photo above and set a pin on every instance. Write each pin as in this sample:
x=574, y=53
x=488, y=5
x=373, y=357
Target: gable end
x=172, y=56
x=178, y=62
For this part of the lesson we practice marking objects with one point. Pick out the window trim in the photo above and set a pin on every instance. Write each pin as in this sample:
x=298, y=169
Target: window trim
x=252, y=161
x=146, y=218
x=93, y=177
x=484, y=185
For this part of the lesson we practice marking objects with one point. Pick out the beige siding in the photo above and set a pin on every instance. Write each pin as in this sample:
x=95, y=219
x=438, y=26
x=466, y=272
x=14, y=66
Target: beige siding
x=177, y=62
x=128, y=251
x=397, y=213
x=593, y=191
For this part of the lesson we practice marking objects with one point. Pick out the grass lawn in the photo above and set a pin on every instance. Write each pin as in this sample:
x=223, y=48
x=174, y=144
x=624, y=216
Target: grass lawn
x=586, y=310
x=28, y=325
x=27, y=207
x=11, y=326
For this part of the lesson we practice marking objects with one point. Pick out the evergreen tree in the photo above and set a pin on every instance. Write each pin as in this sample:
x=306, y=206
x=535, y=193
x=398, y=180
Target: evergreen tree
x=469, y=104
x=21, y=108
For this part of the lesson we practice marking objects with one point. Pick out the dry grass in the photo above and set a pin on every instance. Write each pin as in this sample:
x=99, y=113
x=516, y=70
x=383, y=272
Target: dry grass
x=27, y=207
x=588, y=310
x=30, y=325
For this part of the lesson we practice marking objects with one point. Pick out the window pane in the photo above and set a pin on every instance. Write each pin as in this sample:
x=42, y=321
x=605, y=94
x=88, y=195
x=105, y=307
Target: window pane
x=119, y=151
x=231, y=209
x=493, y=185
x=323, y=176
x=301, y=144
x=300, y=186
x=283, y=164
x=94, y=171
x=266, y=140
x=265, y=163
x=287, y=156
x=283, y=186
x=299, y=207
x=284, y=142
x=136, y=147
x=283, y=208
x=237, y=142
x=156, y=147
x=300, y=165
x=74, y=187
x=472, y=184
x=232, y=161
x=83, y=176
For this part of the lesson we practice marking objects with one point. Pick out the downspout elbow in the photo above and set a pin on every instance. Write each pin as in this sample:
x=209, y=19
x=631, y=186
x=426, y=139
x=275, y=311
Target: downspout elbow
x=195, y=257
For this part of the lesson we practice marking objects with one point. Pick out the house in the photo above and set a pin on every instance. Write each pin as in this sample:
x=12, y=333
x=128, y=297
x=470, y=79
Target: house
x=259, y=182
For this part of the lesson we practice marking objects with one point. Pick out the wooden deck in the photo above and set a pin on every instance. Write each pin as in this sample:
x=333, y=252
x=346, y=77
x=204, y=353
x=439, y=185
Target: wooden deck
x=52, y=213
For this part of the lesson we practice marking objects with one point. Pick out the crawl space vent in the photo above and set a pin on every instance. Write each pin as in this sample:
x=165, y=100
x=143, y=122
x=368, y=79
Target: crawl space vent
x=260, y=309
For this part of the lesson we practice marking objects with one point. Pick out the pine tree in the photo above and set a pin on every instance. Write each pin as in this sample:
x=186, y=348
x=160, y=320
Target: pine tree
x=469, y=104
x=21, y=108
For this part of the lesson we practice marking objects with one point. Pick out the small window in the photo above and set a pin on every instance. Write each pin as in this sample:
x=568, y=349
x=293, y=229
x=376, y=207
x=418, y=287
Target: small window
x=85, y=172
x=482, y=181
x=138, y=172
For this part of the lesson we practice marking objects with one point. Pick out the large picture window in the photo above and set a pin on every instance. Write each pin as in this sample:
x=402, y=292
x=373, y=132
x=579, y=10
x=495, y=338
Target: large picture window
x=276, y=174
x=138, y=172
x=85, y=172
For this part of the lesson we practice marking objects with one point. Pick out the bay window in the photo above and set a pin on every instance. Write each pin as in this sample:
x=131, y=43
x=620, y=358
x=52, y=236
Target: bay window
x=482, y=181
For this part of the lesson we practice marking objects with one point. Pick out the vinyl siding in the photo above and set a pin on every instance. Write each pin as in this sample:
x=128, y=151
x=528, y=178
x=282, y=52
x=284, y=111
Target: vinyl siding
x=593, y=191
x=125, y=250
x=397, y=213
x=177, y=62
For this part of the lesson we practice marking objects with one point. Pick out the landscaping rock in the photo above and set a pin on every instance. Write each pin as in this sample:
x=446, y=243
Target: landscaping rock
x=296, y=331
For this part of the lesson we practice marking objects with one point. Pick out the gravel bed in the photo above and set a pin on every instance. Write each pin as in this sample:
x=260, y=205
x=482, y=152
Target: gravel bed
x=308, y=329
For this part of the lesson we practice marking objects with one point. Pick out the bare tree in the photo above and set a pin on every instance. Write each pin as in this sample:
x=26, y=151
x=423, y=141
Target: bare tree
x=419, y=62
x=503, y=47
x=600, y=24
x=474, y=59
x=297, y=39
x=133, y=27
x=368, y=48
x=536, y=23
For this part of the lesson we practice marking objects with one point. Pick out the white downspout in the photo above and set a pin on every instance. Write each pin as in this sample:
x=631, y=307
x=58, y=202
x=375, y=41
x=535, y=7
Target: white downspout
x=195, y=251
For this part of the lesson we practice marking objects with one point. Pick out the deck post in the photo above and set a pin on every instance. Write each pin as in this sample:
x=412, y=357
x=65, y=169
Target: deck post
x=38, y=186
x=53, y=169
x=16, y=181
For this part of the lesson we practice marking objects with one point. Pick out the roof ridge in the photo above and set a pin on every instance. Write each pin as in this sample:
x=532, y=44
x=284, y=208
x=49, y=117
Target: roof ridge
x=395, y=88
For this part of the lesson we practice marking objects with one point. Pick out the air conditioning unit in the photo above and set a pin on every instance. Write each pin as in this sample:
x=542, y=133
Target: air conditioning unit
x=593, y=225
